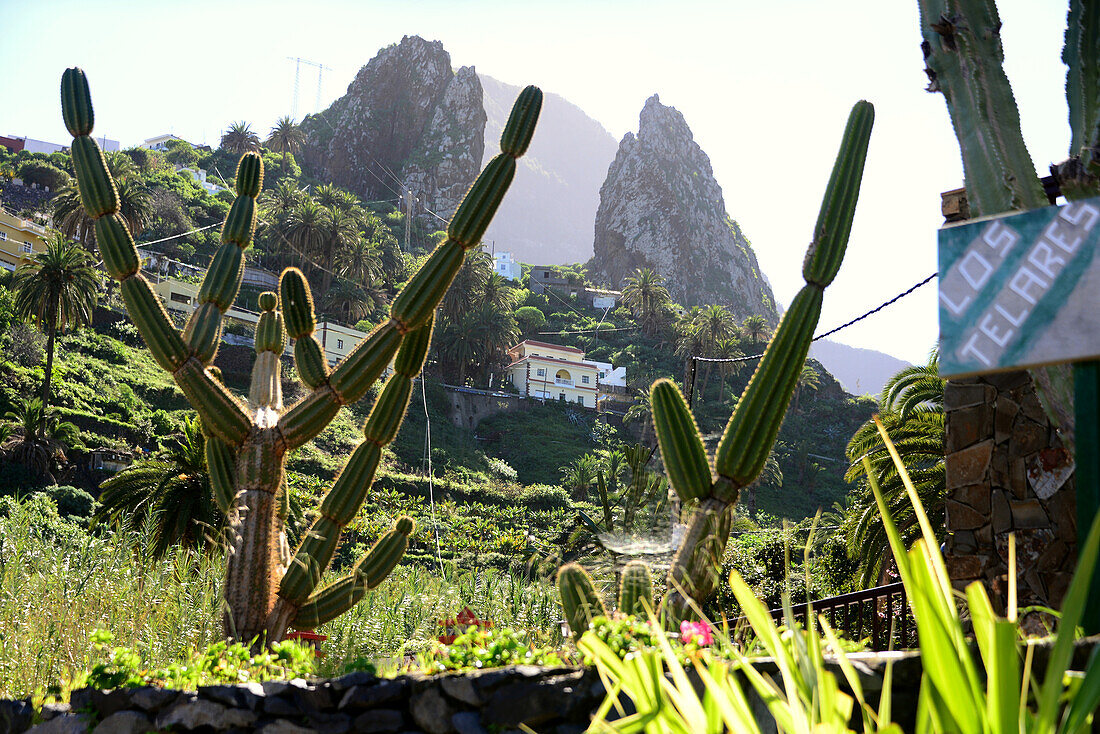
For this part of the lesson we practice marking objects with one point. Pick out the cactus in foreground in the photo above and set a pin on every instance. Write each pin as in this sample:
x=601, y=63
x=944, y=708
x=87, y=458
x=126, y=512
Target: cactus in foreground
x=267, y=588
x=752, y=430
x=582, y=603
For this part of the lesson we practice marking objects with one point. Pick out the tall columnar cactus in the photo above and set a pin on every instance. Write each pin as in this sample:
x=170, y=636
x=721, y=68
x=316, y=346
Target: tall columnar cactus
x=268, y=588
x=964, y=57
x=752, y=430
x=582, y=603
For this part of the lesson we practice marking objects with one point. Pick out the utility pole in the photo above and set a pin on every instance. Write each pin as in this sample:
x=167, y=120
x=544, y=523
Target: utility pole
x=409, y=201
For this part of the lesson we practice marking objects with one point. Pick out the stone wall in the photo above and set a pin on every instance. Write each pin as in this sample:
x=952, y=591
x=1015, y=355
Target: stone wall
x=1007, y=473
x=469, y=407
x=559, y=701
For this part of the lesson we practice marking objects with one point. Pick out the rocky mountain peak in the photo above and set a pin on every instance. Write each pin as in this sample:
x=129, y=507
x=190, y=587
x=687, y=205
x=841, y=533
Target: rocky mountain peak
x=407, y=120
x=661, y=208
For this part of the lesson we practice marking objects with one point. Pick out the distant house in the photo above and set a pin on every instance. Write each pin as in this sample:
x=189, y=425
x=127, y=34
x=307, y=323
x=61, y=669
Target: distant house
x=553, y=372
x=20, y=240
x=600, y=298
x=200, y=178
x=544, y=278
x=336, y=340
x=160, y=142
x=613, y=395
x=506, y=265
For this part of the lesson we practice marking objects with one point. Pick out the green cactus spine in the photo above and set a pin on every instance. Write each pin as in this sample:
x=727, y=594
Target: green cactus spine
x=636, y=590
x=579, y=598
x=246, y=448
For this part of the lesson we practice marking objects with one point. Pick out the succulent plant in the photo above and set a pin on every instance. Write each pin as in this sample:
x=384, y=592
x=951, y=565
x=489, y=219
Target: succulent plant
x=752, y=430
x=267, y=588
x=582, y=603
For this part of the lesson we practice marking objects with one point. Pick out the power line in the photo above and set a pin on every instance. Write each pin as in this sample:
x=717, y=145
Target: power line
x=857, y=319
x=845, y=325
x=588, y=331
x=182, y=234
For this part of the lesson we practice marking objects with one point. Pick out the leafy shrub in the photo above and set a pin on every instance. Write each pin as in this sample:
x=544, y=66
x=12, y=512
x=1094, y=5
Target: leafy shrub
x=220, y=663
x=43, y=174
x=71, y=502
x=24, y=345
x=477, y=649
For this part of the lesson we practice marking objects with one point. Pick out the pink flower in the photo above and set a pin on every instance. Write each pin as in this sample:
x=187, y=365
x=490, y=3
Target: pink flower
x=697, y=632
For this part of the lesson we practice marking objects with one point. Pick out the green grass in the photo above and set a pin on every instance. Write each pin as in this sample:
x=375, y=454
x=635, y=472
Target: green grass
x=59, y=583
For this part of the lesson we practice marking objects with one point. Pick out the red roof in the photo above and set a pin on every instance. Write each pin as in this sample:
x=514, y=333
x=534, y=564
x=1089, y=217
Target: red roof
x=532, y=342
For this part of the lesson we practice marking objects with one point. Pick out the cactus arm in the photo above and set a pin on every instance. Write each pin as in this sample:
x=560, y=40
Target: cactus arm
x=336, y=598
x=579, y=598
x=1081, y=56
x=220, y=412
x=963, y=53
x=347, y=495
x=601, y=487
x=309, y=416
x=223, y=278
x=636, y=589
x=418, y=300
x=266, y=390
x=681, y=447
x=219, y=463
x=754, y=425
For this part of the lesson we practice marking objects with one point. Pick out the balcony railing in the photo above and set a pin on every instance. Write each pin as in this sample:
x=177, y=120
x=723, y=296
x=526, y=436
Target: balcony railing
x=563, y=382
x=881, y=615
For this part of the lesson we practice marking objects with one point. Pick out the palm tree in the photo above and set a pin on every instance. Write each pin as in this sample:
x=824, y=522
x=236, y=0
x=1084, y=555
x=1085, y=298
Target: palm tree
x=647, y=297
x=134, y=204
x=458, y=344
x=354, y=300
x=728, y=349
x=239, y=138
x=808, y=379
x=755, y=328
x=580, y=476
x=36, y=437
x=305, y=229
x=340, y=229
x=58, y=288
x=172, y=490
x=713, y=325
x=498, y=292
x=911, y=411
x=496, y=330
x=641, y=412
x=468, y=286
x=286, y=137
x=359, y=262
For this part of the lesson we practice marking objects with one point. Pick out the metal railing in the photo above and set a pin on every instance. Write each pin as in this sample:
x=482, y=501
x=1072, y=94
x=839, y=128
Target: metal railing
x=562, y=382
x=877, y=614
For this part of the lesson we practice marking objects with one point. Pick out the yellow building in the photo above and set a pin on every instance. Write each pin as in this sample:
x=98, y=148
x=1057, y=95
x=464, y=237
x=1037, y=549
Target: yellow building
x=553, y=372
x=336, y=340
x=20, y=240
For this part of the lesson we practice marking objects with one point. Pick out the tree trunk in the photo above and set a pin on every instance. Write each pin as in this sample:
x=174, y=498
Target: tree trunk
x=49, y=357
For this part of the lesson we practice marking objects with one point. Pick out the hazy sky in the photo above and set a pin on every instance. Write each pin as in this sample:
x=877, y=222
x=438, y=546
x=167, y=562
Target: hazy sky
x=765, y=87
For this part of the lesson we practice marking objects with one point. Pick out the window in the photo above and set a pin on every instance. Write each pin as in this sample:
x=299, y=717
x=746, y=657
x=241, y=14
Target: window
x=545, y=273
x=27, y=247
x=339, y=343
x=179, y=298
x=580, y=400
x=561, y=397
x=541, y=372
x=3, y=236
x=584, y=379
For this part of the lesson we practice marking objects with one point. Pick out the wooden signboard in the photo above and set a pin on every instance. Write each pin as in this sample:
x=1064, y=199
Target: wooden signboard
x=1020, y=290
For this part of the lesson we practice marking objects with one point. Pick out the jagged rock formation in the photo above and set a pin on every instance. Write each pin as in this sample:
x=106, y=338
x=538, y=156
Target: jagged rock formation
x=661, y=208
x=406, y=117
x=546, y=219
